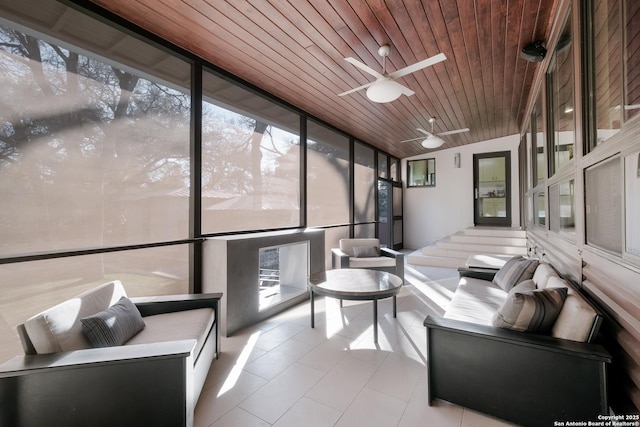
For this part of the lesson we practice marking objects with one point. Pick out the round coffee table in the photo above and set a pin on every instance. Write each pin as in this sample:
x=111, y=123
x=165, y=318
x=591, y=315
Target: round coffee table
x=355, y=284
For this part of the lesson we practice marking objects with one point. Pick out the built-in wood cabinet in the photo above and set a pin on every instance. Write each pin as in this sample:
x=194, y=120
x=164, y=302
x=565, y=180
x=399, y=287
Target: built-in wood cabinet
x=491, y=170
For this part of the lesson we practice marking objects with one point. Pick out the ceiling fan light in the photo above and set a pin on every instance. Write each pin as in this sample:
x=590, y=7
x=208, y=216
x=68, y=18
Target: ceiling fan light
x=385, y=90
x=432, y=142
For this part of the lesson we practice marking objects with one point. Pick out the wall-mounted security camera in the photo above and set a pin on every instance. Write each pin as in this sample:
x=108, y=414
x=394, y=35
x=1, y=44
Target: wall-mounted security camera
x=534, y=52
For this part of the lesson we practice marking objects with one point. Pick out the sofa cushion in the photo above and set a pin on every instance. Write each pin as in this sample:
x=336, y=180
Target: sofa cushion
x=179, y=325
x=113, y=326
x=514, y=271
x=524, y=286
x=532, y=311
x=59, y=329
x=576, y=319
x=366, y=251
x=558, y=282
x=475, y=301
x=542, y=274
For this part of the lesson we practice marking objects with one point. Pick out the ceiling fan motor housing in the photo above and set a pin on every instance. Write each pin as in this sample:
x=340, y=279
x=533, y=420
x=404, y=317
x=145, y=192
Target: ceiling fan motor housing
x=384, y=50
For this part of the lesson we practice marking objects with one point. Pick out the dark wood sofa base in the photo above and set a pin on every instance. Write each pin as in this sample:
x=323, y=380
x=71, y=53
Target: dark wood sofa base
x=528, y=379
x=135, y=385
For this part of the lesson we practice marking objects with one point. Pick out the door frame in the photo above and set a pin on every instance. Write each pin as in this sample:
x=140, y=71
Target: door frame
x=495, y=221
x=386, y=231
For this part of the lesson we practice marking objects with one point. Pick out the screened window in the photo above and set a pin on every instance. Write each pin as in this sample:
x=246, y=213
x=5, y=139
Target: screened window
x=632, y=198
x=327, y=176
x=603, y=205
x=31, y=287
x=394, y=168
x=554, y=208
x=607, y=39
x=364, y=178
x=250, y=160
x=530, y=157
x=561, y=207
x=540, y=209
x=632, y=59
x=567, y=207
x=562, y=100
x=93, y=153
x=538, y=139
x=383, y=164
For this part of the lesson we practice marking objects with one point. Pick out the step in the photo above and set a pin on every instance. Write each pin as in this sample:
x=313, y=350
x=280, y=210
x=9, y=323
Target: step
x=495, y=231
x=479, y=248
x=459, y=254
x=488, y=240
x=417, y=258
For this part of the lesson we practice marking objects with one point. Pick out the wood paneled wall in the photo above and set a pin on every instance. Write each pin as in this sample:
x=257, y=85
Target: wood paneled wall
x=616, y=289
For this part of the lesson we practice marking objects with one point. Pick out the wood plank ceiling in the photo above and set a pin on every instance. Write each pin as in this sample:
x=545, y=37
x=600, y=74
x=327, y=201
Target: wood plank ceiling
x=295, y=50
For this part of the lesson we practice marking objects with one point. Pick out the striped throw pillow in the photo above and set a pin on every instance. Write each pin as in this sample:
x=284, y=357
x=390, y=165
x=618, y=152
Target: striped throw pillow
x=531, y=311
x=113, y=326
x=514, y=271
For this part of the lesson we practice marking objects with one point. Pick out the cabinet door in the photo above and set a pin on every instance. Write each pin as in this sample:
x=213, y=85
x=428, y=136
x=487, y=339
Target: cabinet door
x=485, y=171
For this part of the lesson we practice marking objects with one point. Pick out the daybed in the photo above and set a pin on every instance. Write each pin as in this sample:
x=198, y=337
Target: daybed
x=367, y=253
x=82, y=368
x=519, y=345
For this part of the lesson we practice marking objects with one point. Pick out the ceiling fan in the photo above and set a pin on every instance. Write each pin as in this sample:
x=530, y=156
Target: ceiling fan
x=433, y=140
x=385, y=88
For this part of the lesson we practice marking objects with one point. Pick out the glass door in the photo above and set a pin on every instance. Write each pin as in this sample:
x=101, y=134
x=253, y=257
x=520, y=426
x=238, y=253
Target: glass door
x=385, y=213
x=390, y=213
x=492, y=188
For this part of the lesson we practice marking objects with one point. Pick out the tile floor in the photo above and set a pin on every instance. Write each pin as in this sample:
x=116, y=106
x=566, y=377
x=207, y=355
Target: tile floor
x=282, y=372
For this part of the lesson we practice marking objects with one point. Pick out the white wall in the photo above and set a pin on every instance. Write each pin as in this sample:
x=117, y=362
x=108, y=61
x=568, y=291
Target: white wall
x=432, y=213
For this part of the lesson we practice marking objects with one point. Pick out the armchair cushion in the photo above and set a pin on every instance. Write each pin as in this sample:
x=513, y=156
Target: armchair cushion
x=347, y=245
x=372, y=262
x=366, y=251
x=113, y=326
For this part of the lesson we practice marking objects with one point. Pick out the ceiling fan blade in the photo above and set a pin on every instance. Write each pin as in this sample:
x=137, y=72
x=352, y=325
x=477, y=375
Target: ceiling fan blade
x=418, y=66
x=406, y=91
x=363, y=67
x=355, y=89
x=424, y=131
x=452, y=132
x=413, y=139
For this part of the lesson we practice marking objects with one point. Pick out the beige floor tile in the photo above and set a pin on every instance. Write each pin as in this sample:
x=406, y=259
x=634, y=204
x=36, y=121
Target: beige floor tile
x=276, y=397
x=327, y=354
x=342, y=384
x=240, y=418
x=309, y=413
x=419, y=414
x=274, y=362
x=215, y=401
x=268, y=340
x=373, y=409
x=397, y=376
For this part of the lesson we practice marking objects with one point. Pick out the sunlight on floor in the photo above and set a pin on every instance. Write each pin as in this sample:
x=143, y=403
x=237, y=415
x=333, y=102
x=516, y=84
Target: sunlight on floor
x=233, y=376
